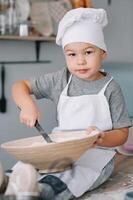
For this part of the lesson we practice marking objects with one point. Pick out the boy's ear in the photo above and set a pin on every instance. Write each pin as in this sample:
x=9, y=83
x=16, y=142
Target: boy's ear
x=104, y=55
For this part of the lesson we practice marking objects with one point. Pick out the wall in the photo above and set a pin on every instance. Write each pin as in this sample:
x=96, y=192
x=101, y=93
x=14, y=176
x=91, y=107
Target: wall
x=119, y=42
x=119, y=30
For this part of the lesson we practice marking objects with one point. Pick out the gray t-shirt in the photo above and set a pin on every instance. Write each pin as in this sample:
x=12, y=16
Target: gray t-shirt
x=51, y=85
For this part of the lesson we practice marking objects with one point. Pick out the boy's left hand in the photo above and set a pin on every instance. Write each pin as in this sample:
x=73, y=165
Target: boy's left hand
x=100, y=138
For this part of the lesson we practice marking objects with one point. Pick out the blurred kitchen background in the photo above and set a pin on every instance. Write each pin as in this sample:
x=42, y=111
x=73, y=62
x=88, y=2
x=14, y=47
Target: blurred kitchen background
x=27, y=48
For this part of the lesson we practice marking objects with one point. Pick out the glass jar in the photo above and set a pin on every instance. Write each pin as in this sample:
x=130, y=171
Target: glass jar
x=4, y=6
x=12, y=18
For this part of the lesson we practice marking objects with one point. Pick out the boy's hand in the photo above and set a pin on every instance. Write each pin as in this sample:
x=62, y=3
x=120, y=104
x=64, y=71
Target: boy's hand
x=29, y=115
x=100, y=137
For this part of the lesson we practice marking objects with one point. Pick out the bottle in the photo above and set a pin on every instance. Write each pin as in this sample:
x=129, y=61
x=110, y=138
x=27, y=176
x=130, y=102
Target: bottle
x=12, y=17
x=3, y=16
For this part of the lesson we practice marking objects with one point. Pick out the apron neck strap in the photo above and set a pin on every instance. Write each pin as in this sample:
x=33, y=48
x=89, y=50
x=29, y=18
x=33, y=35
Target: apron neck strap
x=105, y=86
x=66, y=88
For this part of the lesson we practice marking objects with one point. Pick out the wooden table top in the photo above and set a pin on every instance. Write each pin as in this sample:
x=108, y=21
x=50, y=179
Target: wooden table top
x=118, y=184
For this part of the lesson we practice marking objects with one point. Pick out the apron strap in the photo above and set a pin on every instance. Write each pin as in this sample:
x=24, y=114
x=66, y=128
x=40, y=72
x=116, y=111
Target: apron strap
x=64, y=92
x=105, y=86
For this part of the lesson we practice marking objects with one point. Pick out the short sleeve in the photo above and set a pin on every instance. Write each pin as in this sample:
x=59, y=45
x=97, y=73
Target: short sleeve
x=118, y=109
x=48, y=85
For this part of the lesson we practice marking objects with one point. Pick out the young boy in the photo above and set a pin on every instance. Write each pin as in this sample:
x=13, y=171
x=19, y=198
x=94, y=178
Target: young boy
x=86, y=98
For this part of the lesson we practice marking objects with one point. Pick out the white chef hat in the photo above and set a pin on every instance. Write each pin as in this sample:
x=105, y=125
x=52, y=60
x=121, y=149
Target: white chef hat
x=83, y=25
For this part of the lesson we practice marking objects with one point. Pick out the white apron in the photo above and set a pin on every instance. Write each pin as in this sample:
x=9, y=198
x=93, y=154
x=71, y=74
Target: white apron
x=80, y=112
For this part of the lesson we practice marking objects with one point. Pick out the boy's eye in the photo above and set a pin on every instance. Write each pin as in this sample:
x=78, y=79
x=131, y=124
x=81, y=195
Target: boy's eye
x=89, y=52
x=71, y=54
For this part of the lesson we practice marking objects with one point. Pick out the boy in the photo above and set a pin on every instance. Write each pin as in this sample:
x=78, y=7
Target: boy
x=86, y=98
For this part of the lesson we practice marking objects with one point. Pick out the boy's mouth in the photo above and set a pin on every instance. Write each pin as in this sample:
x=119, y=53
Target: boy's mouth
x=82, y=71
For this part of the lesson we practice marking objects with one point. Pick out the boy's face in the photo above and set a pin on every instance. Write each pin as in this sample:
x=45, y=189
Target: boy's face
x=84, y=60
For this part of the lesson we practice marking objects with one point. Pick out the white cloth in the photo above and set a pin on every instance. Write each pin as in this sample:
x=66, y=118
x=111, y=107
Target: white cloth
x=83, y=25
x=82, y=112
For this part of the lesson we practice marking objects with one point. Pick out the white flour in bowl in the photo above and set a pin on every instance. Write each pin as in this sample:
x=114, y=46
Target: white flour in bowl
x=61, y=137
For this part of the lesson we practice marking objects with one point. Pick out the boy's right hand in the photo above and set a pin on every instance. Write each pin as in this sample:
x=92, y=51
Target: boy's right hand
x=29, y=115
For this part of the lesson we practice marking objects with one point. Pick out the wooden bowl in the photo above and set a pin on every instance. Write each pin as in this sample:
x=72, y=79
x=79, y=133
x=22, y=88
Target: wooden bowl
x=66, y=148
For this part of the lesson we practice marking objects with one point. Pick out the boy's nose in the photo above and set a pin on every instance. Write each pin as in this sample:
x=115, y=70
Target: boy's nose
x=81, y=60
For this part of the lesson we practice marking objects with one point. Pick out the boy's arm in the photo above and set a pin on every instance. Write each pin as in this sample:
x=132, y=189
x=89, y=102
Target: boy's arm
x=114, y=137
x=21, y=92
